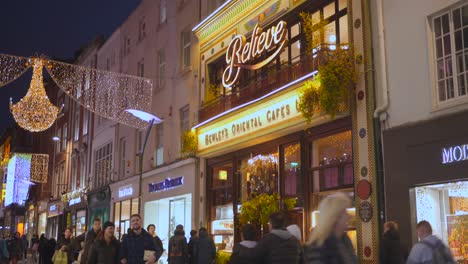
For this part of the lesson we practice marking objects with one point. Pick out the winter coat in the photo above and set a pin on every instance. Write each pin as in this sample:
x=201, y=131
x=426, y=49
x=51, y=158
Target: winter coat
x=244, y=253
x=205, y=248
x=192, y=253
x=279, y=246
x=103, y=253
x=133, y=247
x=16, y=247
x=158, y=243
x=89, y=239
x=70, y=249
x=391, y=250
x=178, y=251
x=422, y=253
x=333, y=251
x=43, y=250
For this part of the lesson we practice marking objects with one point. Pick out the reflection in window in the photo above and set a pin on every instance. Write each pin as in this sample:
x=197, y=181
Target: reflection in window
x=292, y=165
x=332, y=162
x=259, y=175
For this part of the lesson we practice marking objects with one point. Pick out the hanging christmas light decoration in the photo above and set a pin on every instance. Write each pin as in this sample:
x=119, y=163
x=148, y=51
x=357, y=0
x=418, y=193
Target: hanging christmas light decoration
x=12, y=67
x=104, y=93
x=35, y=112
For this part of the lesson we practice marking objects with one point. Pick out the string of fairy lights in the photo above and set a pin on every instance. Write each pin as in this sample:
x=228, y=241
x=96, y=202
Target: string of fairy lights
x=107, y=94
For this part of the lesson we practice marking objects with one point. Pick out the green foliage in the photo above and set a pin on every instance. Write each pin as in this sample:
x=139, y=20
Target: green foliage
x=189, y=142
x=330, y=91
x=289, y=203
x=309, y=99
x=257, y=210
x=338, y=76
x=222, y=257
x=213, y=89
x=314, y=29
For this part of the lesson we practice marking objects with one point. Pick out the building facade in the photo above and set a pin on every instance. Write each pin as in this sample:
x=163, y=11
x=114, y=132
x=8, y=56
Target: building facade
x=252, y=138
x=422, y=108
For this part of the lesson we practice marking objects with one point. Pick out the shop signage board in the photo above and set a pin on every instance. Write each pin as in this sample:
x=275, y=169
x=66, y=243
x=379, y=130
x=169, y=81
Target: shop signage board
x=125, y=191
x=74, y=201
x=266, y=115
x=454, y=154
x=166, y=184
x=54, y=209
x=241, y=53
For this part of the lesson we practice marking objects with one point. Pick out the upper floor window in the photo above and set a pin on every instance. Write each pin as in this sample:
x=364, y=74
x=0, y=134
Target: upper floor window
x=141, y=68
x=64, y=138
x=141, y=29
x=162, y=68
x=85, y=121
x=159, y=154
x=450, y=31
x=77, y=125
x=185, y=48
x=127, y=45
x=162, y=11
x=184, y=119
x=103, y=165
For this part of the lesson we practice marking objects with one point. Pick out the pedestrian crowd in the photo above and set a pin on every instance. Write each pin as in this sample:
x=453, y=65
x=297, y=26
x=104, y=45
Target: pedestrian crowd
x=328, y=243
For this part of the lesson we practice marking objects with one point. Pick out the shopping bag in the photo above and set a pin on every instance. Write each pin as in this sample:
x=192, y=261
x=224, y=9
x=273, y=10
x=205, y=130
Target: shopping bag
x=60, y=257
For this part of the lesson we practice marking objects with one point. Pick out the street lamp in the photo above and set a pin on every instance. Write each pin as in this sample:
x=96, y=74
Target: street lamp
x=151, y=119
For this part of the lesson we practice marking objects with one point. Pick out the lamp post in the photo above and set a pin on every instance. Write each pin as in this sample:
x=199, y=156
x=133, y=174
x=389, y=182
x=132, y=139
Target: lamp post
x=151, y=119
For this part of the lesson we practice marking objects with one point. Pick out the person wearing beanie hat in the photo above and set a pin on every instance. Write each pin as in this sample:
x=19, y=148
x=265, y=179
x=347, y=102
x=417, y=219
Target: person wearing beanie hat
x=105, y=249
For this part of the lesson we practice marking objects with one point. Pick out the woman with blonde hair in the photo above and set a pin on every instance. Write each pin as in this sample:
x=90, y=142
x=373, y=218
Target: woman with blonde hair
x=328, y=242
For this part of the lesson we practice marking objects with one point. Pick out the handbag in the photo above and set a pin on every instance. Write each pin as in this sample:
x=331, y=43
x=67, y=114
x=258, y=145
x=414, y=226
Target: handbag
x=147, y=254
x=60, y=257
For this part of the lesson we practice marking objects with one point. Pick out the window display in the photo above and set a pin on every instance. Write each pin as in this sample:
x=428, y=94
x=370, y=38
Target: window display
x=222, y=228
x=445, y=207
x=259, y=174
x=122, y=212
x=173, y=211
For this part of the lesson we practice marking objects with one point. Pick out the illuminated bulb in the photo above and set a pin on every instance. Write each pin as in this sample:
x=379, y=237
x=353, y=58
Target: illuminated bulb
x=332, y=38
x=332, y=47
x=34, y=112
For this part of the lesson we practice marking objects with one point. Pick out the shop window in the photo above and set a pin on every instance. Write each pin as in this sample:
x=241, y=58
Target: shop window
x=445, y=207
x=292, y=166
x=259, y=174
x=332, y=162
x=178, y=210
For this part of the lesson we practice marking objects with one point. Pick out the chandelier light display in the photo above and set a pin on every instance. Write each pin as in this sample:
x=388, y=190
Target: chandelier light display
x=107, y=94
x=35, y=112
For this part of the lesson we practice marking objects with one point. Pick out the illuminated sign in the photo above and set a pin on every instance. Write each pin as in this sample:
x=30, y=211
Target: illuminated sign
x=454, y=154
x=74, y=201
x=263, y=116
x=53, y=207
x=166, y=184
x=240, y=52
x=125, y=191
x=18, y=179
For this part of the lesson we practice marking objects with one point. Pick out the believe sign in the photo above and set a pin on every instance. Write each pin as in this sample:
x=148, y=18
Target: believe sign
x=240, y=53
x=454, y=154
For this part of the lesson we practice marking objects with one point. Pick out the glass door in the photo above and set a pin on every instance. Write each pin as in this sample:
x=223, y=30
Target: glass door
x=176, y=214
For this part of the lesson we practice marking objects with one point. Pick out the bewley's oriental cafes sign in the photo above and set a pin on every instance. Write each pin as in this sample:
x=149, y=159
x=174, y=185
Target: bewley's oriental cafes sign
x=267, y=115
x=240, y=53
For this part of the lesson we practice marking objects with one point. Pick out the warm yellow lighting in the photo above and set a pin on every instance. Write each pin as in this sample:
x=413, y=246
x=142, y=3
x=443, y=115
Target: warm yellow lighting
x=222, y=175
x=34, y=112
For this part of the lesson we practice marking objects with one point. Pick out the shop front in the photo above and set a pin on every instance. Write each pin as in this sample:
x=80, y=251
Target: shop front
x=30, y=217
x=253, y=139
x=99, y=205
x=55, y=219
x=124, y=204
x=42, y=209
x=75, y=211
x=167, y=199
x=430, y=171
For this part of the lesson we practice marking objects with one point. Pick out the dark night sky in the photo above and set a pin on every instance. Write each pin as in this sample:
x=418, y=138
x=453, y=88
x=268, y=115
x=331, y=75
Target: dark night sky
x=55, y=28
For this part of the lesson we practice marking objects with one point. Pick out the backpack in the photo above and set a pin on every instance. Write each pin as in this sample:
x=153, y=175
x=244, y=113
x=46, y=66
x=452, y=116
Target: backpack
x=175, y=246
x=440, y=253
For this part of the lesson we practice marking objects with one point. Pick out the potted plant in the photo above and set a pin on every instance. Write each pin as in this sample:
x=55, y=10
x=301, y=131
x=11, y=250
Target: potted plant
x=189, y=143
x=257, y=210
x=331, y=89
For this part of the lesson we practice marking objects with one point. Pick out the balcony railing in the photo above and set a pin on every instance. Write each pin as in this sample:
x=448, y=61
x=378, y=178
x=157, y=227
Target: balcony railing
x=272, y=79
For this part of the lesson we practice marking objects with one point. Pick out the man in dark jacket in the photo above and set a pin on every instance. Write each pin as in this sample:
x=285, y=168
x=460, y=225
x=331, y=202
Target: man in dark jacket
x=279, y=246
x=66, y=244
x=244, y=252
x=178, y=252
x=138, y=246
x=192, y=253
x=89, y=239
x=16, y=248
x=391, y=252
x=205, y=248
x=105, y=250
